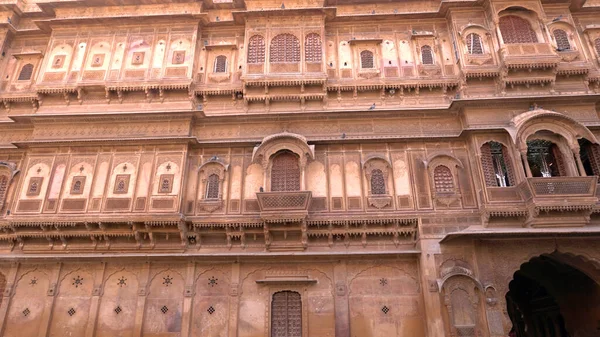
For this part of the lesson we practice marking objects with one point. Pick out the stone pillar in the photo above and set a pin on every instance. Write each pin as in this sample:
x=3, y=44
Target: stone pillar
x=526, y=164
x=7, y=295
x=234, y=300
x=342, y=307
x=95, y=303
x=186, y=315
x=49, y=307
x=141, y=303
x=431, y=296
x=579, y=162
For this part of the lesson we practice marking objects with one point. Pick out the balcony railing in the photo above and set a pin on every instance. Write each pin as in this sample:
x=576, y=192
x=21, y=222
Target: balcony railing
x=530, y=55
x=551, y=188
x=284, y=206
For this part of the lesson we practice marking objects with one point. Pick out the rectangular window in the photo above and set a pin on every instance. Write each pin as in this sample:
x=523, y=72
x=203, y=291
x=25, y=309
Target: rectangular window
x=121, y=184
x=77, y=185
x=35, y=185
x=166, y=183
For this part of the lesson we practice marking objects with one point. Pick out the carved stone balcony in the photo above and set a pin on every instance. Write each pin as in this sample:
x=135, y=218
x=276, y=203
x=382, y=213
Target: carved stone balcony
x=529, y=56
x=559, y=201
x=284, y=206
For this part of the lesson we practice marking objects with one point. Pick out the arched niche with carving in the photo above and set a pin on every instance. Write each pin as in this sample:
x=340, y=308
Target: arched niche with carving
x=211, y=184
x=462, y=297
x=7, y=172
x=270, y=146
x=377, y=173
x=442, y=168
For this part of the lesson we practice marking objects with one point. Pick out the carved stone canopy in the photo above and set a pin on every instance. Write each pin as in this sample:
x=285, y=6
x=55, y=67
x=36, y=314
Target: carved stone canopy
x=526, y=124
x=12, y=167
x=283, y=141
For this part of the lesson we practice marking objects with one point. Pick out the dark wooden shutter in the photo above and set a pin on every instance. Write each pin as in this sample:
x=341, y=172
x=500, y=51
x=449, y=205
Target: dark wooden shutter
x=377, y=182
x=285, y=173
x=516, y=29
x=559, y=160
x=510, y=170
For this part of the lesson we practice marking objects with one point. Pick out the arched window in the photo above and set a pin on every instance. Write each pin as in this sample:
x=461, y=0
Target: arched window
x=256, y=49
x=286, y=314
x=516, y=29
x=212, y=187
x=77, y=186
x=474, y=45
x=220, y=64
x=285, y=48
x=313, y=52
x=597, y=46
x=562, y=40
x=497, y=167
x=285, y=172
x=26, y=72
x=366, y=59
x=426, y=55
x=545, y=159
x=377, y=182
x=443, y=180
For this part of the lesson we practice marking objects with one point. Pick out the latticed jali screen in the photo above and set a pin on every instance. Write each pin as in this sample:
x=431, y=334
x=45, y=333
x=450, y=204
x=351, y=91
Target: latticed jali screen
x=442, y=179
x=256, y=49
x=426, y=55
x=285, y=48
x=285, y=173
x=286, y=314
x=312, y=48
x=515, y=29
x=377, y=182
x=474, y=44
x=212, y=187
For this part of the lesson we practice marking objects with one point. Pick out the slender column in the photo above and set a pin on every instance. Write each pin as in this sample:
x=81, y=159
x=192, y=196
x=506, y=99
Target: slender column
x=341, y=303
x=141, y=303
x=187, y=300
x=579, y=162
x=49, y=307
x=431, y=296
x=8, y=293
x=234, y=300
x=526, y=164
x=94, y=306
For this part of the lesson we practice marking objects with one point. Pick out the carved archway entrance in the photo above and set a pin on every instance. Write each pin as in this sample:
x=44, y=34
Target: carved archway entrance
x=550, y=297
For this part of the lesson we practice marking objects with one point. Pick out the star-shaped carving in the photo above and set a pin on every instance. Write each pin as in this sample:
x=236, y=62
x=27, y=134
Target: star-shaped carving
x=383, y=281
x=33, y=281
x=212, y=281
x=167, y=281
x=122, y=281
x=77, y=281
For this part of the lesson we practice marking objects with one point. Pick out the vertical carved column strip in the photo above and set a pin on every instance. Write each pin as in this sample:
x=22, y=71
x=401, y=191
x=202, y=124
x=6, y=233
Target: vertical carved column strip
x=187, y=299
x=234, y=300
x=141, y=303
x=431, y=295
x=8, y=293
x=49, y=307
x=342, y=307
x=94, y=306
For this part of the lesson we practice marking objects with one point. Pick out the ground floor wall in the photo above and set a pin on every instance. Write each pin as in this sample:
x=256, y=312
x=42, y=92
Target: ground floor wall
x=458, y=288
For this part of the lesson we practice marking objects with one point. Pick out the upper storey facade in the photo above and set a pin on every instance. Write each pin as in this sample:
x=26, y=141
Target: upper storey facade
x=232, y=57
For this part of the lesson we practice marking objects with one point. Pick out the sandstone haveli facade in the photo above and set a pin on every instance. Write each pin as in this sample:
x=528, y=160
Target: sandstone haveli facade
x=347, y=168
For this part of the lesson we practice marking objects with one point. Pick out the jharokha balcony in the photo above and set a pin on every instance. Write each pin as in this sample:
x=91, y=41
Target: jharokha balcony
x=285, y=205
x=529, y=56
x=559, y=201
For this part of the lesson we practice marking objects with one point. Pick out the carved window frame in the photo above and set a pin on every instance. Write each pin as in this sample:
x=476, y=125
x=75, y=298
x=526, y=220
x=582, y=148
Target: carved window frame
x=37, y=182
x=205, y=171
x=562, y=39
x=367, y=56
x=98, y=60
x=178, y=57
x=471, y=43
x=488, y=166
x=169, y=179
x=78, y=181
x=26, y=72
x=220, y=65
x=381, y=164
x=427, y=55
x=453, y=165
x=121, y=178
